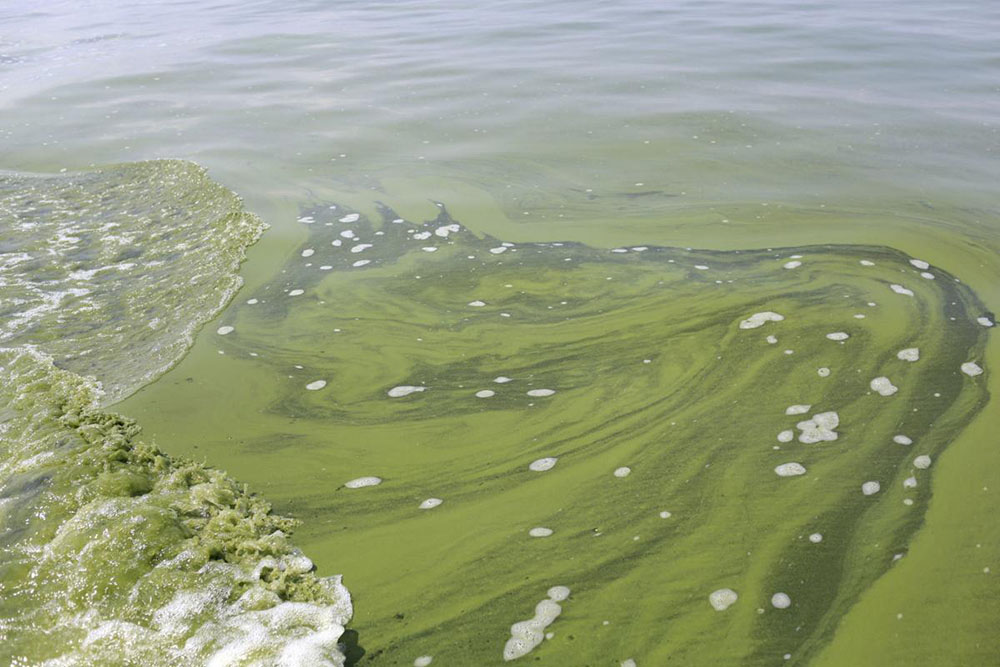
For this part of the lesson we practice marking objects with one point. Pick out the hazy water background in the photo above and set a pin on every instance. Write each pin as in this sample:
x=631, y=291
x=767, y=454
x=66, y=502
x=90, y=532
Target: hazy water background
x=709, y=124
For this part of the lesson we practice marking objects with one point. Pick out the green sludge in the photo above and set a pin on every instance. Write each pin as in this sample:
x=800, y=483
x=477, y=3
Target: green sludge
x=697, y=425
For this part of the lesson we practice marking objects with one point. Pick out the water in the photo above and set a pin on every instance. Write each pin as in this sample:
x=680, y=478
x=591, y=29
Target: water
x=861, y=131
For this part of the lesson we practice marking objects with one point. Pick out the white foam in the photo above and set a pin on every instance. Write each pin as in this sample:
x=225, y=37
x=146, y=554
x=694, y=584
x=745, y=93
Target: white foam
x=837, y=335
x=317, y=385
x=883, y=386
x=821, y=428
x=361, y=262
x=337, y=243
x=541, y=465
x=296, y=292
x=624, y=471
x=910, y=483
x=541, y=392
x=923, y=462
x=307, y=219
x=540, y=531
x=501, y=379
x=909, y=354
x=350, y=217
x=927, y=275
x=792, y=469
x=404, y=390
x=701, y=267
x=899, y=289
x=429, y=248
x=797, y=409
x=781, y=601
x=222, y=331
x=865, y=262
x=430, y=503
x=722, y=599
x=308, y=252
x=362, y=482
x=665, y=514
x=793, y=264
x=361, y=247
x=423, y=661
x=870, y=488
x=823, y=372
x=498, y=250
x=252, y=302
x=445, y=230
x=758, y=319
x=485, y=393
x=920, y=264
x=985, y=321
x=348, y=234
x=772, y=339
x=477, y=304
x=816, y=538
x=628, y=663
x=971, y=369
x=786, y=436
x=558, y=593
x=902, y=440
x=526, y=635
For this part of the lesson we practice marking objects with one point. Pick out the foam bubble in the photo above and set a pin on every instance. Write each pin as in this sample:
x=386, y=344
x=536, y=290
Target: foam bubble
x=701, y=267
x=222, y=331
x=871, y=488
x=790, y=469
x=816, y=538
x=541, y=392
x=422, y=236
x=361, y=262
x=781, y=601
x=445, y=230
x=793, y=264
x=477, y=304
x=317, y=385
x=665, y=514
x=485, y=393
x=624, y=471
x=823, y=372
x=899, y=289
x=883, y=386
x=361, y=247
x=902, y=440
x=971, y=369
x=404, y=390
x=307, y=219
x=909, y=354
x=558, y=593
x=296, y=292
x=501, y=379
x=985, y=321
x=923, y=462
x=540, y=531
x=927, y=275
x=758, y=319
x=362, y=482
x=429, y=248
x=498, y=250
x=772, y=339
x=920, y=264
x=797, y=409
x=308, y=252
x=786, y=436
x=252, y=302
x=628, y=663
x=865, y=262
x=350, y=217
x=541, y=465
x=423, y=661
x=838, y=335
x=430, y=503
x=526, y=635
x=821, y=428
x=722, y=599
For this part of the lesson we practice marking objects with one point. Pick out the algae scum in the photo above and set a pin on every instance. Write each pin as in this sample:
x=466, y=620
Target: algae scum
x=512, y=451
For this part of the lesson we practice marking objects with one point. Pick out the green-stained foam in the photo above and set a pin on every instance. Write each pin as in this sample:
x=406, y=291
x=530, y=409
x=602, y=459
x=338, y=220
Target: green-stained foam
x=112, y=552
x=651, y=371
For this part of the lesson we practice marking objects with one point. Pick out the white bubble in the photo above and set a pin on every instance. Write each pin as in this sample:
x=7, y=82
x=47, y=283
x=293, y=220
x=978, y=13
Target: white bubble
x=927, y=275
x=540, y=531
x=429, y=248
x=792, y=469
x=902, y=440
x=758, y=319
x=781, y=601
x=772, y=339
x=477, y=304
x=315, y=386
x=422, y=236
x=838, y=335
x=222, y=331
x=883, y=386
x=485, y=393
x=797, y=409
x=971, y=369
x=821, y=428
x=823, y=372
x=910, y=483
x=444, y=231
x=722, y=599
x=498, y=250
x=308, y=252
x=786, y=436
x=665, y=514
x=870, y=488
x=423, y=661
x=541, y=465
x=920, y=264
x=628, y=663
x=500, y=379
x=793, y=264
x=558, y=593
x=350, y=217
x=909, y=354
x=624, y=471
x=404, y=390
x=923, y=462
x=361, y=247
x=701, y=267
x=296, y=292
x=541, y=392
x=361, y=262
x=865, y=262
x=430, y=503
x=307, y=219
x=816, y=538
x=362, y=482
x=985, y=321
x=252, y=302
x=899, y=289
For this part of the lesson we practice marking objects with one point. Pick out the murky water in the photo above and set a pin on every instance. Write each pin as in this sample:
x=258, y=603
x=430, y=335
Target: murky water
x=459, y=195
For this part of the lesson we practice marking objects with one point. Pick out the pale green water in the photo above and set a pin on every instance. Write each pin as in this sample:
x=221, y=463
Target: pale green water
x=841, y=133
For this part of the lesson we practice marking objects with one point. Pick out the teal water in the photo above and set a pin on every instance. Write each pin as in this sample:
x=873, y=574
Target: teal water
x=726, y=134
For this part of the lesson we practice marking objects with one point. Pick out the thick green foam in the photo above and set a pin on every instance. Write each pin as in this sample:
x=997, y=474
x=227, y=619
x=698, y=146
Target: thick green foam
x=697, y=425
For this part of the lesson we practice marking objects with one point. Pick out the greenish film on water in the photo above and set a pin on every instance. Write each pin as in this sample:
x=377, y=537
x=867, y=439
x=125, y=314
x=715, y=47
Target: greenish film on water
x=432, y=333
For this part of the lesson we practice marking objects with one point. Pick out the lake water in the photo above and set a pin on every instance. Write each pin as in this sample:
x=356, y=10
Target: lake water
x=732, y=265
